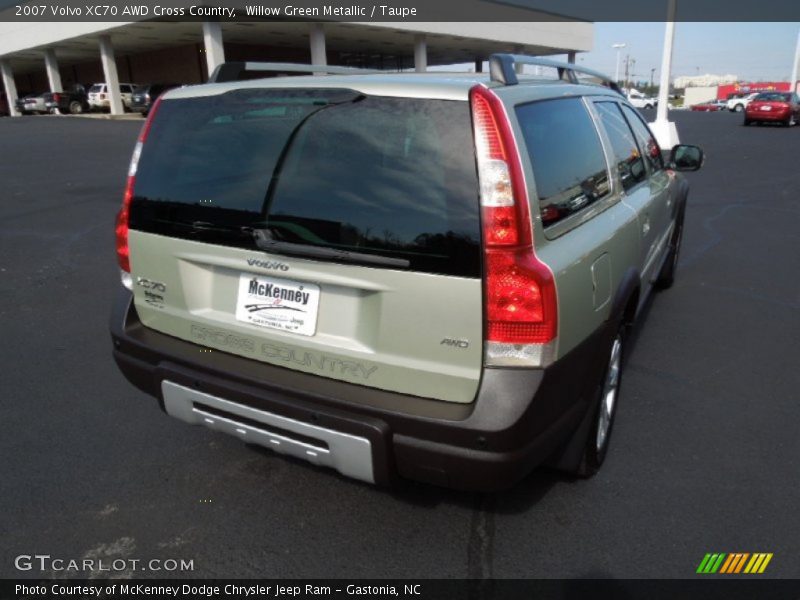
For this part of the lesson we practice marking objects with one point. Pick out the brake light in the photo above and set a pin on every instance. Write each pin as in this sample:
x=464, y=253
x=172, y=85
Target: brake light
x=56, y=97
x=102, y=96
x=123, y=252
x=520, y=295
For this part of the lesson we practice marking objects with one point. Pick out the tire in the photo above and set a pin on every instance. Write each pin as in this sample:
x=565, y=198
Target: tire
x=666, y=276
x=605, y=410
x=75, y=107
x=738, y=108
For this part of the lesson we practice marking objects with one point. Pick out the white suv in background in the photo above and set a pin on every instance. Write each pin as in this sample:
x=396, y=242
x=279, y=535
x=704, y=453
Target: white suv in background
x=738, y=104
x=640, y=100
x=99, y=98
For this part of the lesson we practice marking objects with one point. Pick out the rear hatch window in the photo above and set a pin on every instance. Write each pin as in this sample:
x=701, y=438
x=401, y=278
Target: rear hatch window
x=327, y=169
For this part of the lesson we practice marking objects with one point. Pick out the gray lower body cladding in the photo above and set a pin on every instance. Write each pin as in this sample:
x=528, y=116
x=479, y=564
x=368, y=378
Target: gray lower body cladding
x=519, y=418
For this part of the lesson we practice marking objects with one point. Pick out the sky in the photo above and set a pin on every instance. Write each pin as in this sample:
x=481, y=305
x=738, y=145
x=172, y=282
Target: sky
x=753, y=51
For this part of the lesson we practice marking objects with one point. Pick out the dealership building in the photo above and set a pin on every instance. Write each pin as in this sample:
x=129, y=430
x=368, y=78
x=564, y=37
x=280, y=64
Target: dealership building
x=45, y=56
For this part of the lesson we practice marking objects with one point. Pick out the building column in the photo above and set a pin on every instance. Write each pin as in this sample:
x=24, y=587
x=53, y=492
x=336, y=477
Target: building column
x=214, y=49
x=319, y=55
x=10, y=86
x=420, y=54
x=519, y=67
x=571, y=57
x=479, y=65
x=111, y=76
x=51, y=65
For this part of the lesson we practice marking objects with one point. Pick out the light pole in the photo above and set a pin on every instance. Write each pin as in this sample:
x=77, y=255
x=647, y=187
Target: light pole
x=665, y=131
x=618, y=47
x=793, y=79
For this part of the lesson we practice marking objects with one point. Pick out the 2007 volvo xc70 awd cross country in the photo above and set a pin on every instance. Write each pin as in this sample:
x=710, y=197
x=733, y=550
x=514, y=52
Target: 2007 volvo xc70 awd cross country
x=418, y=275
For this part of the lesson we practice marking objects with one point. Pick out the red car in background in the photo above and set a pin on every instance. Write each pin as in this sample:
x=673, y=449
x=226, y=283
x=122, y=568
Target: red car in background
x=773, y=107
x=710, y=106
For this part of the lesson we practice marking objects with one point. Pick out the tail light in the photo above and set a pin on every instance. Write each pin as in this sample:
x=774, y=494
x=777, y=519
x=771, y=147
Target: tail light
x=102, y=96
x=520, y=293
x=56, y=97
x=123, y=252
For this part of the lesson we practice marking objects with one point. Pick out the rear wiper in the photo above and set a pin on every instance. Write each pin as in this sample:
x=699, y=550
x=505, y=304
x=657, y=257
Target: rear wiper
x=263, y=239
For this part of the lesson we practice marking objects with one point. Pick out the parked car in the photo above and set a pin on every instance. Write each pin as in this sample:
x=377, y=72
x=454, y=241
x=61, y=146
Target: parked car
x=773, y=107
x=145, y=95
x=739, y=103
x=640, y=100
x=710, y=106
x=74, y=101
x=393, y=275
x=99, y=98
x=32, y=104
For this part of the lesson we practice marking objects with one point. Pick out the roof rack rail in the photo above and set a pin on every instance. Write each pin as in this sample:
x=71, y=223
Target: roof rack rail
x=232, y=71
x=501, y=69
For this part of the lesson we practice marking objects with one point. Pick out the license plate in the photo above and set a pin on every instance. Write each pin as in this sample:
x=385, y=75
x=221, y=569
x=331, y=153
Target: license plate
x=766, y=108
x=281, y=304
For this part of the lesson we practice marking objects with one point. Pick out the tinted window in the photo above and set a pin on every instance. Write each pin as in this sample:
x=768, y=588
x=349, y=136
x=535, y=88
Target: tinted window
x=627, y=157
x=332, y=168
x=566, y=155
x=772, y=97
x=647, y=142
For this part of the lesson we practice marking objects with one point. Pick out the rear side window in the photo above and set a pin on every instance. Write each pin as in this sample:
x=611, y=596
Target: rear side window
x=627, y=157
x=337, y=169
x=566, y=155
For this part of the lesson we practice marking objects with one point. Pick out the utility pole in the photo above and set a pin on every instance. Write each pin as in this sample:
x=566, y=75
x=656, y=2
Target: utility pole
x=627, y=68
x=652, y=74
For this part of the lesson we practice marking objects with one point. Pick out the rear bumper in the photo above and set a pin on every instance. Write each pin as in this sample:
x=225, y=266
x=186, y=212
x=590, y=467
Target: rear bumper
x=767, y=115
x=519, y=418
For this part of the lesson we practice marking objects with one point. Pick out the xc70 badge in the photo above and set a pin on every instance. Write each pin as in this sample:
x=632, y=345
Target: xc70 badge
x=153, y=291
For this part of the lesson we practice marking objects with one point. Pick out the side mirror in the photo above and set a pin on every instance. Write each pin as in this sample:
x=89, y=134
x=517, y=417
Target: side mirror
x=686, y=158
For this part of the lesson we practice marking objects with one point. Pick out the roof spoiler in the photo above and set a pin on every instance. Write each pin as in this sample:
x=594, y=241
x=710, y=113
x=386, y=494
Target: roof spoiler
x=233, y=71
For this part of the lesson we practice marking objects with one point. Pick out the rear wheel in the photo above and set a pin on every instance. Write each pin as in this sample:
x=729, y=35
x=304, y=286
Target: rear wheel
x=605, y=410
x=75, y=107
x=738, y=108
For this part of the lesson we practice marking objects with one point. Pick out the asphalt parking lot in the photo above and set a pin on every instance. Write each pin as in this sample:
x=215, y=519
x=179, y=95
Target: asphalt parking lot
x=706, y=449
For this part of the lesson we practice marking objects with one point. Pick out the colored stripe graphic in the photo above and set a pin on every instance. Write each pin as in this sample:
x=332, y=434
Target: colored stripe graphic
x=740, y=564
x=764, y=564
x=734, y=563
x=727, y=564
x=711, y=563
x=703, y=563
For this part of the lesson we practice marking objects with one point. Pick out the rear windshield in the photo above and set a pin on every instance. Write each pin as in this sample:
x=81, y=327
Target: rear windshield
x=96, y=88
x=772, y=97
x=337, y=169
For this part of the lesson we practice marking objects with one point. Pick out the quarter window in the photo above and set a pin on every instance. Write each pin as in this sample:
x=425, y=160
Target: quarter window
x=628, y=159
x=566, y=155
x=647, y=143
